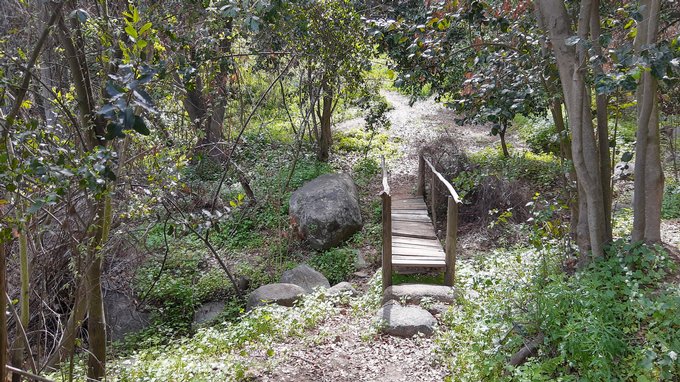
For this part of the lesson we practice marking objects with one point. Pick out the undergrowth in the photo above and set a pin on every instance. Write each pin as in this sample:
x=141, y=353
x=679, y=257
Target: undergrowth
x=615, y=320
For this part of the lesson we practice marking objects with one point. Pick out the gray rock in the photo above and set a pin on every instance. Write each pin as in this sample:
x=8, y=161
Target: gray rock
x=360, y=261
x=325, y=211
x=414, y=293
x=406, y=321
x=342, y=287
x=306, y=277
x=624, y=171
x=122, y=316
x=208, y=312
x=280, y=293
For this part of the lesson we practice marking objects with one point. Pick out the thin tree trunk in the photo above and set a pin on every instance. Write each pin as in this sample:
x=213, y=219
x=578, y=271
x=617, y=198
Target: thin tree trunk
x=565, y=154
x=19, y=350
x=326, y=138
x=3, y=309
x=649, y=179
x=96, y=323
x=504, y=144
x=601, y=101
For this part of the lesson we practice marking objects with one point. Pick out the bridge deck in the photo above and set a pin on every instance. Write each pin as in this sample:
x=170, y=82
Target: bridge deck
x=414, y=242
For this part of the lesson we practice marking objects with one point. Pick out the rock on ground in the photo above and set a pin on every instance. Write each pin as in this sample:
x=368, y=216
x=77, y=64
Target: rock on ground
x=406, y=321
x=325, y=211
x=279, y=293
x=342, y=288
x=415, y=293
x=122, y=316
x=208, y=312
x=306, y=277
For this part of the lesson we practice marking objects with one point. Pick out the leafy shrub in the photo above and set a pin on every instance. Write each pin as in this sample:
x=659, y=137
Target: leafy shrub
x=670, y=208
x=539, y=133
x=613, y=321
x=336, y=264
x=364, y=170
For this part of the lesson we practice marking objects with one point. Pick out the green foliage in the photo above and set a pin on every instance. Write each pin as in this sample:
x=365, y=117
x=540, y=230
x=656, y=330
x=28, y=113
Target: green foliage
x=670, y=208
x=540, y=169
x=613, y=321
x=539, y=134
x=336, y=264
x=364, y=170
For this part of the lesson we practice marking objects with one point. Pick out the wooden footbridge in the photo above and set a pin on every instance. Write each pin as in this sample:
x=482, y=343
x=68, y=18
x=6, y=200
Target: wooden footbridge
x=410, y=240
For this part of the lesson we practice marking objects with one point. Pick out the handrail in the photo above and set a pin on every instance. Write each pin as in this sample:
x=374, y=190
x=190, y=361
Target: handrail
x=386, y=186
x=448, y=185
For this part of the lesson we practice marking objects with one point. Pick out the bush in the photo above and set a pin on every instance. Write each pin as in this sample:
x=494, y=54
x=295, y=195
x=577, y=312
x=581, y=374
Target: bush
x=539, y=133
x=670, y=208
x=336, y=264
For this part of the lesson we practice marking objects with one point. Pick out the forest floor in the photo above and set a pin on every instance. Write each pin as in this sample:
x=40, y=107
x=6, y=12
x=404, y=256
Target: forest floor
x=345, y=347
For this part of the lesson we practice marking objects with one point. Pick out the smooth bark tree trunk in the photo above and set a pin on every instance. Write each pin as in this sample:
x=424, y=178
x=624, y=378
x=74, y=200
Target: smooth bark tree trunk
x=504, y=144
x=602, y=102
x=3, y=309
x=649, y=178
x=571, y=63
x=325, y=136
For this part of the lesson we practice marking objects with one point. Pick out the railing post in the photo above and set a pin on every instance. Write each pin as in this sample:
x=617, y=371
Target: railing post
x=387, y=240
x=421, y=176
x=451, y=241
x=433, y=191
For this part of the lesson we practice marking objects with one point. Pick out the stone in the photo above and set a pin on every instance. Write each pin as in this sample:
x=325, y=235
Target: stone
x=624, y=171
x=406, y=321
x=325, y=211
x=122, y=316
x=208, y=312
x=415, y=293
x=360, y=261
x=306, y=277
x=279, y=293
x=343, y=287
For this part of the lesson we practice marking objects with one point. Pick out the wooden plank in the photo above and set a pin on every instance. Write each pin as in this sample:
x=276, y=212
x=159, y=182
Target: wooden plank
x=416, y=235
x=413, y=227
x=420, y=263
x=424, y=248
x=403, y=198
x=413, y=211
x=417, y=260
x=411, y=218
x=423, y=251
x=401, y=240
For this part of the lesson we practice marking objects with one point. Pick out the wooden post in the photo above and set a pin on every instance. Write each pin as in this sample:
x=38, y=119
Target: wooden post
x=451, y=241
x=433, y=191
x=387, y=240
x=421, y=176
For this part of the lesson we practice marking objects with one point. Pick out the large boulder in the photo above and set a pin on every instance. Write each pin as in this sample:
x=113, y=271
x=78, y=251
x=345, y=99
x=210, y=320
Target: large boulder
x=122, y=316
x=406, y=321
x=325, y=211
x=306, y=277
x=279, y=293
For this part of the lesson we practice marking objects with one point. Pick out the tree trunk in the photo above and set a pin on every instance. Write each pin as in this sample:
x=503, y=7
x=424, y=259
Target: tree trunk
x=571, y=63
x=325, y=137
x=601, y=101
x=504, y=144
x=20, y=346
x=3, y=309
x=96, y=323
x=649, y=179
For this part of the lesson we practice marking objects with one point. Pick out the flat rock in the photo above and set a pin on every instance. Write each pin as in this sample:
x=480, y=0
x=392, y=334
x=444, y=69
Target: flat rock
x=279, y=293
x=208, y=312
x=305, y=277
x=415, y=293
x=122, y=316
x=406, y=321
x=343, y=287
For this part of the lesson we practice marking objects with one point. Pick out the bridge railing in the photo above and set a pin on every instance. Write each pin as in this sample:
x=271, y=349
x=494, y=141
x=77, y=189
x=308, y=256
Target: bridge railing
x=426, y=166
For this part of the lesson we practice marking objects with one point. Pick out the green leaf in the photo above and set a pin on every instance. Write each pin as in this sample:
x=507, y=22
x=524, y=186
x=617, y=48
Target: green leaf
x=140, y=126
x=131, y=31
x=145, y=28
x=627, y=156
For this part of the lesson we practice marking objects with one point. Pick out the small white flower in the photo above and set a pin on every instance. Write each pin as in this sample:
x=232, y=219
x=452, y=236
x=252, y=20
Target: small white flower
x=673, y=355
